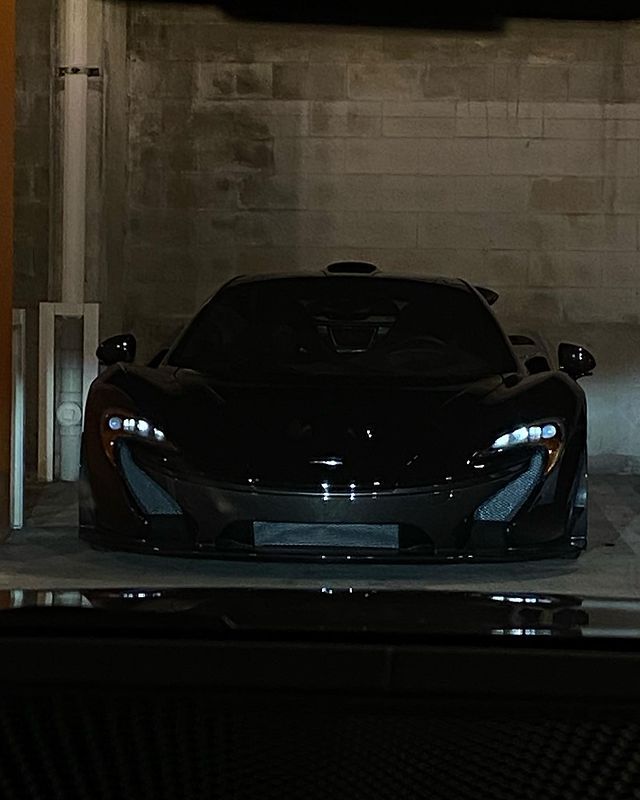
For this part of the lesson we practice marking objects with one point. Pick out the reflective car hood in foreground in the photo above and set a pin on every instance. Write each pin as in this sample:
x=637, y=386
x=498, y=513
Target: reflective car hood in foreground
x=323, y=613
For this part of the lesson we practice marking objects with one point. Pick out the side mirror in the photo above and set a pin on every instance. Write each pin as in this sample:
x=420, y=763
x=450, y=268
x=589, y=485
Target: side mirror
x=575, y=360
x=117, y=348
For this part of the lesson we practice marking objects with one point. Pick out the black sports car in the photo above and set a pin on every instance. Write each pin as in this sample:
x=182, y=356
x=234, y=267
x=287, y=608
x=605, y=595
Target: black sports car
x=346, y=414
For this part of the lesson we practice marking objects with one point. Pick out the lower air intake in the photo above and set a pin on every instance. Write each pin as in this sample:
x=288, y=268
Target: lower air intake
x=504, y=505
x=293, y=534
x=151, y=497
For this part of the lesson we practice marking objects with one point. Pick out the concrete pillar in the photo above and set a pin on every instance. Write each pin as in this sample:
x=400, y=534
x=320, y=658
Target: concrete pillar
x=74, y=171
x=7, y=129
x=111, y=274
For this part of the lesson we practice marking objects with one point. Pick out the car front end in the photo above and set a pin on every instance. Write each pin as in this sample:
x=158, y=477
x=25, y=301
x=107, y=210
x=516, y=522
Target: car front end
x=338, y=416
x=515, y=499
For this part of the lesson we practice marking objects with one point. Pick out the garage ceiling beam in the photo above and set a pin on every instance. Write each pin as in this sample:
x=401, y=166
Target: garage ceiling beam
x=7, y=133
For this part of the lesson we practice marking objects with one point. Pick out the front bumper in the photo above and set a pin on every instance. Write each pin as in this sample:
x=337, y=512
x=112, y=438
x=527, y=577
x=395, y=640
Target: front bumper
x=434, y=523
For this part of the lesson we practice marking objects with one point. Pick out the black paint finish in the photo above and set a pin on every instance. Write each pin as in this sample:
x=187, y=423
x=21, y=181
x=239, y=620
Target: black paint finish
x=391, y=424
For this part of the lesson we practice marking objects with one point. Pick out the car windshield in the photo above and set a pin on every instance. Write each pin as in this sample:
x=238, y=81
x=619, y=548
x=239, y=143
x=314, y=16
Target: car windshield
x=346, y=327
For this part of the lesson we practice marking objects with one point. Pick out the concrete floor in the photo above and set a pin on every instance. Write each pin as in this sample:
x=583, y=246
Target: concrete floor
x=48, y=554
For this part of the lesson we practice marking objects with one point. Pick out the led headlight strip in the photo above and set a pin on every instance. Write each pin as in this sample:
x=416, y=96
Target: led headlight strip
x=526, y=435
x=119, y=424
x=548, y=434
x=135, y=427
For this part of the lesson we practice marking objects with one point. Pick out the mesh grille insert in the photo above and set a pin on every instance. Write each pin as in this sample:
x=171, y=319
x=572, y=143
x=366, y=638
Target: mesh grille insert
x=504, y=505
x=150, y=496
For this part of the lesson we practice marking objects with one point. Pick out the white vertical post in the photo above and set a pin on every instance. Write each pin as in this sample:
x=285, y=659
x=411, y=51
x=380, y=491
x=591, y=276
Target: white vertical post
x=74, y=175
x=90, y=315
x=46, y=391
x=16, y=505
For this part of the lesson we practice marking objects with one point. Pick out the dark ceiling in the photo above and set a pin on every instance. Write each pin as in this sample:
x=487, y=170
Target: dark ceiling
x=444, y=15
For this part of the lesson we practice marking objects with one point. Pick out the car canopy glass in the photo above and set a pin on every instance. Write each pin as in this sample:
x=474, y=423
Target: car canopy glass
x=344, y=326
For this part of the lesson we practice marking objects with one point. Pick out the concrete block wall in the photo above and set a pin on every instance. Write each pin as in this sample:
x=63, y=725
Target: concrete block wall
x=32, y=185
x=510, y=159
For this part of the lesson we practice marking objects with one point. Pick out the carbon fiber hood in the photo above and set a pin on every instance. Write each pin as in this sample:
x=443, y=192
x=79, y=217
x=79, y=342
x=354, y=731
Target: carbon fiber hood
x=344, y=433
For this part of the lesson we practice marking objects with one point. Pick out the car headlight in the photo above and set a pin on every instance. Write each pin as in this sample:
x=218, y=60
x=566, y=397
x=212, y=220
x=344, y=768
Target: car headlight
x=118, y=424
x=547, y=433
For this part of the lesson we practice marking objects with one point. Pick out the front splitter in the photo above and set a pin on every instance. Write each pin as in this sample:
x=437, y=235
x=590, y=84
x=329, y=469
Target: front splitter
x=109, y=541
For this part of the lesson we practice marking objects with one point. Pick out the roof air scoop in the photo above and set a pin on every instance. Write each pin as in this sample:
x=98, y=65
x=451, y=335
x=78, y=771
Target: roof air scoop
x=350, y=268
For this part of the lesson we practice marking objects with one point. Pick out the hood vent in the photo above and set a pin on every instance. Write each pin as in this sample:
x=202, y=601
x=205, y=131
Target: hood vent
x=351, y=268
